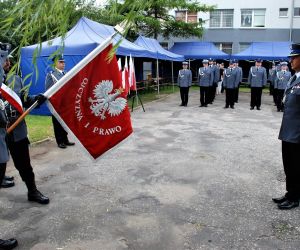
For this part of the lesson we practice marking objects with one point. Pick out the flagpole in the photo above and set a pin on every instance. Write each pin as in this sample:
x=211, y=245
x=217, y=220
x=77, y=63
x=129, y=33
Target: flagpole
x=173, y=76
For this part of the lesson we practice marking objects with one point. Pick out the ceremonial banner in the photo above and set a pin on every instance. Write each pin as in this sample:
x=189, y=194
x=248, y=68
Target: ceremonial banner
x=92, y=104
x=13, y=99
x=125, y=78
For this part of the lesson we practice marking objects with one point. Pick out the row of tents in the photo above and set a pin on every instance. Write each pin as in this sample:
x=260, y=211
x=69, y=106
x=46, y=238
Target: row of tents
x=88, y=34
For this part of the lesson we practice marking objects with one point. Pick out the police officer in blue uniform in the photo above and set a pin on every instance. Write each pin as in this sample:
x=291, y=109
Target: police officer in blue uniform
x=231, y=81
x=281, y=80
x=184, y=82
x=4, y=157
x=290, y=135
x=17, y=140
x=240, y=70
x=257, y=79
x=205, y=81
x=52, y=77
x=216, y=79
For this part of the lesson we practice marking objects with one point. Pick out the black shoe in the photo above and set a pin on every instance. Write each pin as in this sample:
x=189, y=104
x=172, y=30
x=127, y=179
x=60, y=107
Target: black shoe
x=288, y=204
x=181, y=104
x=69, y=143
x=251, y=108
x=258, y=108
x=62, y=145
x=9, y=178
x=7, y=184
x=202, y=105
x=38, y=197
x=278, y=110
x=279, y=200
x=205, y=105
x=8, y=244
x=226, y=107
x=232, y=107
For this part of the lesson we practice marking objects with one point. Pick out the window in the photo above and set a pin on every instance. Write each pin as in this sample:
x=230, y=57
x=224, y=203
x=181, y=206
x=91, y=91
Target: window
x=253, y=18
x=296, y=11
x=185, y=16
x=221, y=19
x=225, y=47
x=244, y=46
x=283, y=12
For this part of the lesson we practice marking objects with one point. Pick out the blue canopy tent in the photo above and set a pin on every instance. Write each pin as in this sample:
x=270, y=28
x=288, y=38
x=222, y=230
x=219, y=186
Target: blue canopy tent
x=78, y=42
x=162, y=54
x=198, y=50
x=265, y=51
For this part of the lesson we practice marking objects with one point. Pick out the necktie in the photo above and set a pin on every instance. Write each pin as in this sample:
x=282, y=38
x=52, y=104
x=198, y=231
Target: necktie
x=256, y=68
x=230, y=69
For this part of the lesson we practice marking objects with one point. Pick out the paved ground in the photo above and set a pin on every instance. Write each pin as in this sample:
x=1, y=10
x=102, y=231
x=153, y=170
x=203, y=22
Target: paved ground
x=189, y=178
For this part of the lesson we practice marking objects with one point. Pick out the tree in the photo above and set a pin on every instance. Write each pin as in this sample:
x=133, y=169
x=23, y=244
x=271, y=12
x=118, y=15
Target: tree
x=153, y=18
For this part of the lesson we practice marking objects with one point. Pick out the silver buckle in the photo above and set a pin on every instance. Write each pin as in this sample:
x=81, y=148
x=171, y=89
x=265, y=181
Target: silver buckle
x=13, y=113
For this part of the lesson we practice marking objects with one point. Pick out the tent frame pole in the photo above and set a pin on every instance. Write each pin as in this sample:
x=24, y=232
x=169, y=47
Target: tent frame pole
x=173, y=76
x=157, y=75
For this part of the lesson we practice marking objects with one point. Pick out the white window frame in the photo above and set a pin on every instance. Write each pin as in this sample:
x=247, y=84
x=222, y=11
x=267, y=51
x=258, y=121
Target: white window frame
x=252, y=19
x=294, y=12
x=287, y=12
x=222, y=19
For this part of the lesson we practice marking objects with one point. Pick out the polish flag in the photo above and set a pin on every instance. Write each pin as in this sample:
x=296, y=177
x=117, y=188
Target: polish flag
x=120, y=67
x=11, y=96
x=132, y=79
x=125, y=77
x=90, y=103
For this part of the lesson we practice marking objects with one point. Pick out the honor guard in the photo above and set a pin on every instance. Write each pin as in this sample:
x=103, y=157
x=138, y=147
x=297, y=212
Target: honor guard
x=257, y=79
x=17, y=140
x=240, y=70
x=184, y=82
x=52, y=77
x=205, y=81
x=282, y=78
x=231, y=82
x=290, y=135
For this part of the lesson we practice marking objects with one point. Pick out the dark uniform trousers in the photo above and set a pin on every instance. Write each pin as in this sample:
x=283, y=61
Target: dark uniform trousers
x=184, y=94
x=256, y=93
x=290, y=158
x=230, y=97
x=279, y=97
x=2, y=171
x=204, y=95
x=20, y=154
x=275, y=95
x=236, y=94
x=61, y=135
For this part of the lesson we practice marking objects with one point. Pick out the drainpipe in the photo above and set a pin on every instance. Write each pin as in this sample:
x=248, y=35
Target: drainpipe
x=292, y=19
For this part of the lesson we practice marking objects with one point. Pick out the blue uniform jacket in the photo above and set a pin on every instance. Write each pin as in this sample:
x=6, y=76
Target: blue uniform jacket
x=290, y=125
x=231, y=78
x=257, y=77
x=205, y=77
x=282, y=79
x=184, y=78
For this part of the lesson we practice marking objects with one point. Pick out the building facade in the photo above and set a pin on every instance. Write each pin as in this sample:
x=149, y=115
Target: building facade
x=235, y=24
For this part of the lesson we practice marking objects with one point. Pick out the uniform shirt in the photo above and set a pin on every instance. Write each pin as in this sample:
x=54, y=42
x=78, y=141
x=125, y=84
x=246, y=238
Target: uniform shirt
x=257, y=77
x=290, y=125
x=282, y=79
x=184, y=78
x=205, y=77
x=231, y=78
x=52, y=77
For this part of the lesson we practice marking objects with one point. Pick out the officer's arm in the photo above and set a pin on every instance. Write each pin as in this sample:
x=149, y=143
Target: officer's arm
x=48, y=81
x=249, y=78
x=178, y=78
x=190, y=78
x=265, y=77
x=211, y=80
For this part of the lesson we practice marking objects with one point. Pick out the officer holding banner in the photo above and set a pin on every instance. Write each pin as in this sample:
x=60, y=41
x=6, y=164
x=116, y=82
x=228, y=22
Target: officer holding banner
x=52, y=77
x=4, y=157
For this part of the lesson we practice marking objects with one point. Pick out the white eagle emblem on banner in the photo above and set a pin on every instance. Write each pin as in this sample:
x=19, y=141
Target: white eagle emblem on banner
x=105, y=101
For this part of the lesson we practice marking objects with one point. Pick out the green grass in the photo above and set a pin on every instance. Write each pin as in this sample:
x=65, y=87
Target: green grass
x=39, y=127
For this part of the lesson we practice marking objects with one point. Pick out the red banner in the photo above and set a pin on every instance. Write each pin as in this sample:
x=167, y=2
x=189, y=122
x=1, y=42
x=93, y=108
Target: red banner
x=93, y=105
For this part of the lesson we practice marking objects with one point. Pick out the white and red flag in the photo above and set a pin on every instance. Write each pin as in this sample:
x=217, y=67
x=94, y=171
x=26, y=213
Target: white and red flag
x=120, y=67
x=132, y=79
x=11, y=96
x=90, y=102
x=125, y=77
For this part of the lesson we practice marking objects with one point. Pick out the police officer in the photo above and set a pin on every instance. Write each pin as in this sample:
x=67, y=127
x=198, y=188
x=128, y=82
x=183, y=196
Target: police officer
x=205, y=81
x=52, y=77
x=10, y=243
x=257, y=79
x=231, y=82
x=240, y=71
x=216, y=78
x=290, y=135
x=17, y=140
x=281, y=80
x=184, y=82
x=271, y=80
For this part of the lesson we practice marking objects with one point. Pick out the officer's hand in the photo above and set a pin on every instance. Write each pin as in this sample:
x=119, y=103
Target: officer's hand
x=40, y=98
